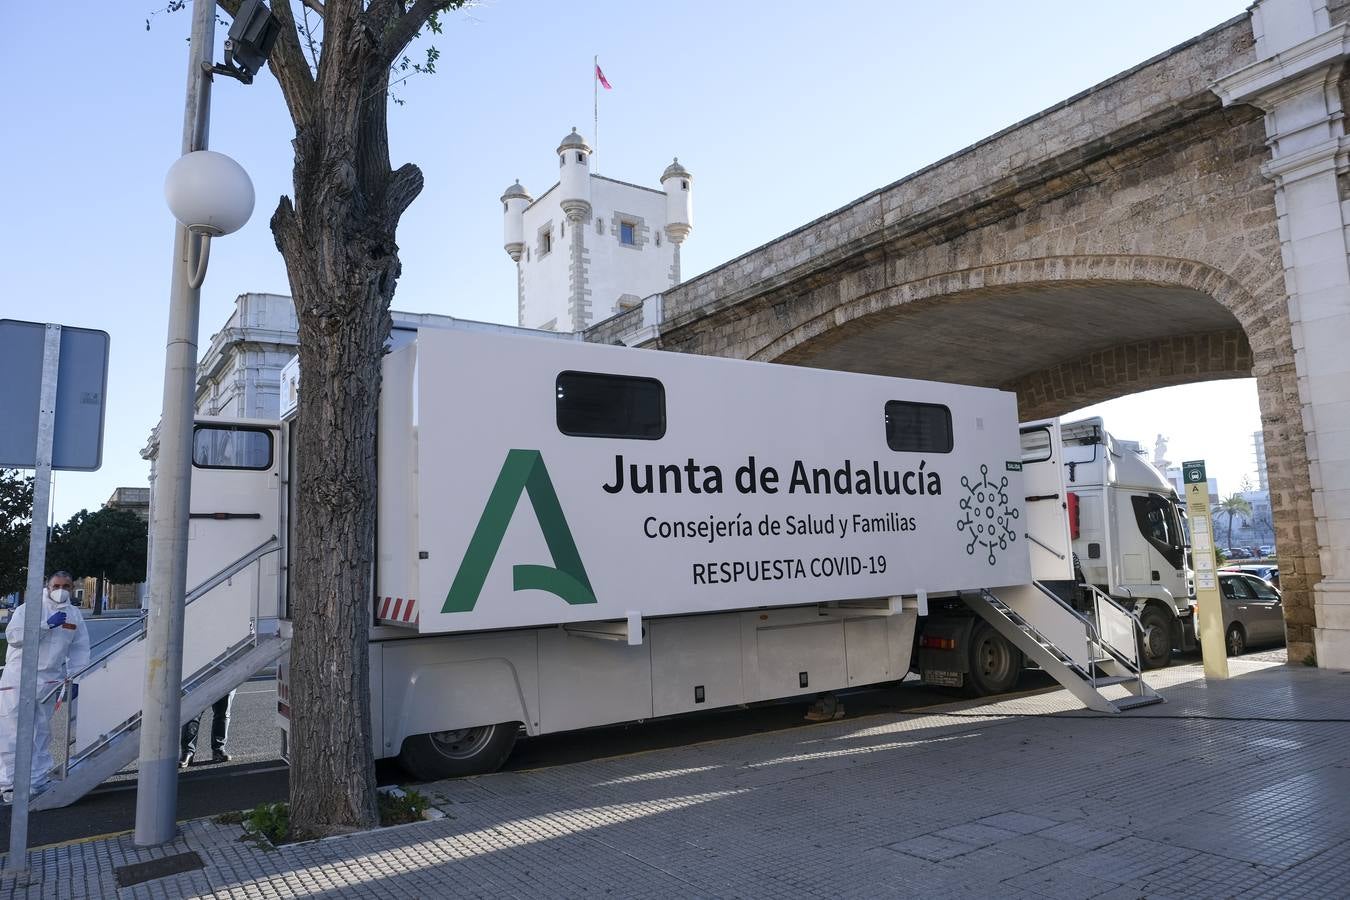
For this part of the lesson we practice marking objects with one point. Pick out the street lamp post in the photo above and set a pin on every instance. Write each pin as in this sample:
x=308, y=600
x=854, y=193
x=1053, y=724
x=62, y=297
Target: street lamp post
x=210, y=195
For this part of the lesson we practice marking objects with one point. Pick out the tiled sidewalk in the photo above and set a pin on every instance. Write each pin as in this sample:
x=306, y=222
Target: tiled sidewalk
x=1236, y=789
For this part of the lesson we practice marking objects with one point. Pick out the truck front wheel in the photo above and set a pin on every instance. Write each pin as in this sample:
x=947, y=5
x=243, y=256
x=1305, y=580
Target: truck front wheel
x=463, y=751
x=1155, y=644
x=995, y=664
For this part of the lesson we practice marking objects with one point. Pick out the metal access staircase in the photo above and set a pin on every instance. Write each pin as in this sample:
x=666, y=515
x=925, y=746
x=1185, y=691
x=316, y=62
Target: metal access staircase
x=225, y=642
x=1084, y=654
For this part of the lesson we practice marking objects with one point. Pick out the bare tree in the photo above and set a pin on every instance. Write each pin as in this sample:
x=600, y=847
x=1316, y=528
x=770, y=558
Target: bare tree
x=337, y=238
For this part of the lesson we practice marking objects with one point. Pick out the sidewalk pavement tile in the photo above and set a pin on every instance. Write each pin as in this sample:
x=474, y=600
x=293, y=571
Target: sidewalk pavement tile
x=1022, y=797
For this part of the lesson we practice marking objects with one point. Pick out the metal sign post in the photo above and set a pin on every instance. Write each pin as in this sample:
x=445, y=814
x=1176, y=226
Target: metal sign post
x=17, y=859
x=52, y=407
x=1209, y=605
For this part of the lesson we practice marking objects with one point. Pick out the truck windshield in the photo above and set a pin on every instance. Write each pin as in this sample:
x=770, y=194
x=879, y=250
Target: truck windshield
x=1157, y=522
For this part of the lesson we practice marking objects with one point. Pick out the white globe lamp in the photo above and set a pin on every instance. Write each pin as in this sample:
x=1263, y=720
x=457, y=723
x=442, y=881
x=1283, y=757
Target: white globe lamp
x=209, y=193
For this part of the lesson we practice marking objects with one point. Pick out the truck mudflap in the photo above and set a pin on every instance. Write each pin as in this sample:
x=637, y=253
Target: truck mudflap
x=1189, y=641
x=943, y=657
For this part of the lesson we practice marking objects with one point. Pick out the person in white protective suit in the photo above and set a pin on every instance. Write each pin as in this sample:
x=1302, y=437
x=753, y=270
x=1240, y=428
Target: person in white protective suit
x=63, y=645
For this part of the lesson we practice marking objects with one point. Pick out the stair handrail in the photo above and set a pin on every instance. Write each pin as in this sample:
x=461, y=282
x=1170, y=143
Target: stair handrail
x=1094, y=634
x=1102, y=595
x=1087, y=623
x=1098, y=596
x=1088, y=672
x=268, y=546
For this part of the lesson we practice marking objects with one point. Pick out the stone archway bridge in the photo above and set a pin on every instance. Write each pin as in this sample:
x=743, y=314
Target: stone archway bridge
x=1181, y=222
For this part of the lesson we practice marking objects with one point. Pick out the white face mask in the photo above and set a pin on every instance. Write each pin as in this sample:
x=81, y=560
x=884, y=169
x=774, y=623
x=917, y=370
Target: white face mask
x=60, y=596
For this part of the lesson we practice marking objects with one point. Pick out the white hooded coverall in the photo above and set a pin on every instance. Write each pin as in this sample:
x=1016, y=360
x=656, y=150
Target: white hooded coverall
x=57, y=648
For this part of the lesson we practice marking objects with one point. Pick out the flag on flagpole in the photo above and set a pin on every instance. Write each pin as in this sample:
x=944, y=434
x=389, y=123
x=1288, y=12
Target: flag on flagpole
x=599, y=74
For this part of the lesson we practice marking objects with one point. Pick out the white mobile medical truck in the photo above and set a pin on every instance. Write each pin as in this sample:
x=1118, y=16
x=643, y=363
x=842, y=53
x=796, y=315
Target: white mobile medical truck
x=572, y=535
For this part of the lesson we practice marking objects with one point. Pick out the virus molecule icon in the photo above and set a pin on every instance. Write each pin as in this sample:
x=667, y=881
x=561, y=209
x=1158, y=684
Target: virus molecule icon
x=988, y=518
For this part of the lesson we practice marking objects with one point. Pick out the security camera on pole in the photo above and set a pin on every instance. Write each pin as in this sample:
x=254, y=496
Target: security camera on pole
x=210, y=195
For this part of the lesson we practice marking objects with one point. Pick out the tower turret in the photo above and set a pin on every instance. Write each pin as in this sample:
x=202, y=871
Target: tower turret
x=514, y=200
x=678, y=183
x=574, y=159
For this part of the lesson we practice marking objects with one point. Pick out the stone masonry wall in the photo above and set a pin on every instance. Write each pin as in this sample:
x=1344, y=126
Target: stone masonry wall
x=1130, y=368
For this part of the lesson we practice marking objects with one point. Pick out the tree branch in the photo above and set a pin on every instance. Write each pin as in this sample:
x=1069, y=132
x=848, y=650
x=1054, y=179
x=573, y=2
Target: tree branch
x=314, y=5
x=404, y=186
x=407, y=26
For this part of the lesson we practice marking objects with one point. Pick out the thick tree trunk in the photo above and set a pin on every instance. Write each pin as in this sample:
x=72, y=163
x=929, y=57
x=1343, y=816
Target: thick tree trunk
x=338, y=242
x=343, y=315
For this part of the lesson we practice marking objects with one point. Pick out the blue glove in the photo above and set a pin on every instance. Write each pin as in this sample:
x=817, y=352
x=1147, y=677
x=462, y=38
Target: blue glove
x=56, y=620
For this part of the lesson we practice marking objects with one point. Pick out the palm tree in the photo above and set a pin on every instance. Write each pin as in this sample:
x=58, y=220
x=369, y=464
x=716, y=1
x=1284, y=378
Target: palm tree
x=1235, y=505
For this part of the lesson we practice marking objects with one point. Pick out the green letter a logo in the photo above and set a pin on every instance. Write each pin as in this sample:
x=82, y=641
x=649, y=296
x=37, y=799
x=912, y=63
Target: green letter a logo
x=523, y=471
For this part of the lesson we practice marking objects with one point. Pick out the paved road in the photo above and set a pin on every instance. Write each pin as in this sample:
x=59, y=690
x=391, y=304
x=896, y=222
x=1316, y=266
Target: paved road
x=257, y=774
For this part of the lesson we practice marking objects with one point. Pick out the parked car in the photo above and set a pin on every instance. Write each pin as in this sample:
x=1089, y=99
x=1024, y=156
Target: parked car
x=1252, y=612
x=1265, y=571
x=1267, y=551
x=1235, y=553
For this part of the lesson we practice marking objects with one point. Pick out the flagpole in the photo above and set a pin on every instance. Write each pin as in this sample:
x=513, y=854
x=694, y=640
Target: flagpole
x=595, y=123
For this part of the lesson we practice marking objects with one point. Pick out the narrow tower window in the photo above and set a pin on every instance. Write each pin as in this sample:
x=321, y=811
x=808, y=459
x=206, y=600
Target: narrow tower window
x=627, y=233
x=546, y=245
x=580, y=158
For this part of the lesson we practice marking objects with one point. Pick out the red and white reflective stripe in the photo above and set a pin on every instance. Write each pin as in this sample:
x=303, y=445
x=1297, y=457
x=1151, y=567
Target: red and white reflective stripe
x=397, y=609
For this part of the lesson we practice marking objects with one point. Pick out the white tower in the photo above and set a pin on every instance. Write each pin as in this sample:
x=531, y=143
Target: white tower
x=592, y=246
x=678, y=185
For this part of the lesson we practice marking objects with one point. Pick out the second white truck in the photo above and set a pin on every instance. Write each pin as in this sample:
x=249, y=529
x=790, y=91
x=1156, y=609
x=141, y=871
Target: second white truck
x=1127, y=541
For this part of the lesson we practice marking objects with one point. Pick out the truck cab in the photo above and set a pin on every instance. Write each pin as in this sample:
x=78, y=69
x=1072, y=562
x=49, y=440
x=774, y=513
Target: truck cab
x=1128, y=533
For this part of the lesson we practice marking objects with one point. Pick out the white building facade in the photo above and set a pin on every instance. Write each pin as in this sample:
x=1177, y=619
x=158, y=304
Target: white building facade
x=592, y=246
x=239, y=375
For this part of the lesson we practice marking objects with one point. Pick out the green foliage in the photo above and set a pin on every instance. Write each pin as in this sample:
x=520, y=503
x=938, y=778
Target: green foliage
x=1235, y=505
x=106, y=543
x=1310, y=660
x=271, y=821
x=397, y=808
x=16, y=507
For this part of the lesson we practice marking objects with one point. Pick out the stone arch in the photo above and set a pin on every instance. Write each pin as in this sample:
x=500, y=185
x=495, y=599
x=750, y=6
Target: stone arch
x=1256, y=342
x=1129, y=369
x=1086, y=270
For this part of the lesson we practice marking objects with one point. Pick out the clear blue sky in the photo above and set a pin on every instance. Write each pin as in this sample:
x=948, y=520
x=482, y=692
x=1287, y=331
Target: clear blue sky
x=783, y=111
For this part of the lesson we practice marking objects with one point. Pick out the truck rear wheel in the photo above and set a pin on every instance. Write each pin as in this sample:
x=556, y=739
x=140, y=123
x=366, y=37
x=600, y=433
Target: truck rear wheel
x=995, y=664
x=463, y=751
x=1155, y=644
